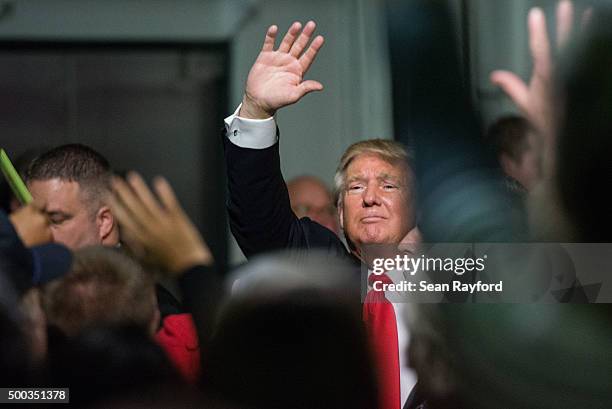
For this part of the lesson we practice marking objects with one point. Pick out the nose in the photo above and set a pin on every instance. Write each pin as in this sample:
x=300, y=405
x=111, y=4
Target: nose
x=371, y=197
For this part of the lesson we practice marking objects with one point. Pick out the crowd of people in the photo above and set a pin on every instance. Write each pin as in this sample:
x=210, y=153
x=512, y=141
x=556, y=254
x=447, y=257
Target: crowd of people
x=81, y=305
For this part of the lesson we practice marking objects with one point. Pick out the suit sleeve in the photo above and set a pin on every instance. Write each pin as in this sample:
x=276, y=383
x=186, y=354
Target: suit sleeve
x=259, y=210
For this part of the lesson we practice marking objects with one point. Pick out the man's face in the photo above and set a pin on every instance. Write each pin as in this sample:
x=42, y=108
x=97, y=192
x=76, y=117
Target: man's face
x=376, y=205
x=310, y=198
x=72, y=222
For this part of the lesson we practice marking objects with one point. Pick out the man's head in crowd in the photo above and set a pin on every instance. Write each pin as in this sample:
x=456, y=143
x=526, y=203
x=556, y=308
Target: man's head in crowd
x=313, y=313
x=73, y=181
x=104, y=287
x=513, y=140
x=310, y=198
x=375, y=190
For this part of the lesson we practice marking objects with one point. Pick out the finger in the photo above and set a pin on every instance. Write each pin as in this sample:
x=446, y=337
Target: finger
x=308, y=57
x=310, y=86
x=514, y=87
x=143, y=192
x=565, y=18
x=300, y=44
x=131, y=204
x=539, y=43
x=290, y=37
x=125, y=219
x=166, y=194
x=268, y=44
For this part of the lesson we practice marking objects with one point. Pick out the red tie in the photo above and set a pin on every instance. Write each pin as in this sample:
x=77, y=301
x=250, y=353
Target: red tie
x=381, y=326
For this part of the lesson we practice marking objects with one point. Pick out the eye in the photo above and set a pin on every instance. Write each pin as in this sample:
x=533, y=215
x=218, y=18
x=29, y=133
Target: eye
x=389, y=186
x=355, y=188
x=57, y=219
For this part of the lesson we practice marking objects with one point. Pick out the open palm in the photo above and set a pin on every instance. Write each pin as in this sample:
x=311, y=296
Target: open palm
x=537, y=99
x=277, y=77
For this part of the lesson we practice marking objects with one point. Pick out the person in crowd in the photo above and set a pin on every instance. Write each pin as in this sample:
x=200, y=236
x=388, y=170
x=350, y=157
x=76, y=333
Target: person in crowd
x=465, y=356
x=516, y=149
x=102, y=287
x=73, y=182
x=279, y=312
x=159, y=225
x=374, y=187
x=105, y=311
x=15, y=359
x=26, y=255
x=310, y=197
x=26, y=260
x=106, y=287
x=107, y=362
x=557, y=100
x=290, y=335
x=453, y=348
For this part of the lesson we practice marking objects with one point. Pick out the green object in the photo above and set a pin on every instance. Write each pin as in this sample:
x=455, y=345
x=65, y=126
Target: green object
x=14, y=180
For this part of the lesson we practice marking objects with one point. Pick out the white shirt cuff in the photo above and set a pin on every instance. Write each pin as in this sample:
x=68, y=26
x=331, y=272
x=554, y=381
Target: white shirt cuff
x=251, y=133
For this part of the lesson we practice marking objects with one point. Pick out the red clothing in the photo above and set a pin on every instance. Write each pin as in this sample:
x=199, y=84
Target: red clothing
x=381, y=327
x=179, y=339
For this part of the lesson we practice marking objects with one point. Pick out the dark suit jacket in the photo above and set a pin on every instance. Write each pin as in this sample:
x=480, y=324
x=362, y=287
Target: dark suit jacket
x=260, y=213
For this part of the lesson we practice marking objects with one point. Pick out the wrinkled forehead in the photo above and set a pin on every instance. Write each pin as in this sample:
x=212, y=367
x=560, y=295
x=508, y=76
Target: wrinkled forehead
x=372, y=165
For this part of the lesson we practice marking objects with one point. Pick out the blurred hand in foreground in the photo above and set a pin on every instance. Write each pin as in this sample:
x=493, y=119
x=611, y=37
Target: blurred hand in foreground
x=32, y=225
x=158, y=223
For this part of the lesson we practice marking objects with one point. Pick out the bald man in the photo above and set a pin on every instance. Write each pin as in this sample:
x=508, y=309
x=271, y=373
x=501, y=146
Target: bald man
x=311, y=198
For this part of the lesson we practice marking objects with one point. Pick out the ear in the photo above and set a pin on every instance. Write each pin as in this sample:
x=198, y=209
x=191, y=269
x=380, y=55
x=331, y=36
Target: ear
x=341, y=213
x=106, y=224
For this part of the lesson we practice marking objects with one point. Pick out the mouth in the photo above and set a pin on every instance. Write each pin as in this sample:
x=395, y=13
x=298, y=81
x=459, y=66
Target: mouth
x=372, y=219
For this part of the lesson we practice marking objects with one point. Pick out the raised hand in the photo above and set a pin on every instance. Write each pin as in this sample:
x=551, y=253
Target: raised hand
x=537, y=100
x=31, y=225
x=277, y=77
x=159, y=225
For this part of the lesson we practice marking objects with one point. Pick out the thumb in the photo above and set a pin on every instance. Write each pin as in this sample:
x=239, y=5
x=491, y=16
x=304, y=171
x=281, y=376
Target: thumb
x=513, y=86
x=310, y=86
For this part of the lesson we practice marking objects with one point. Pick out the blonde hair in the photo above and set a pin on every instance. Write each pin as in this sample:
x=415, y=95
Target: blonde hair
x=388, y=150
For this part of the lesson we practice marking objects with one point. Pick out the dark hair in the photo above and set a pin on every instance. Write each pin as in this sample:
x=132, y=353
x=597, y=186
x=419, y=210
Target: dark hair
x=22, y=163
x=74, y=163
x=105, y=363
x=304, y=343
x=104, y=286
x=292, y=328
x=509, y=135
x=585, y=144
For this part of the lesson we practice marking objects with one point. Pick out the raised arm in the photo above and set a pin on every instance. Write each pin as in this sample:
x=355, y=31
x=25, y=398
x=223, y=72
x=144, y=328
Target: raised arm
x=158, y=224
x=32, y=225
x=259, y=210
x=539, y=100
